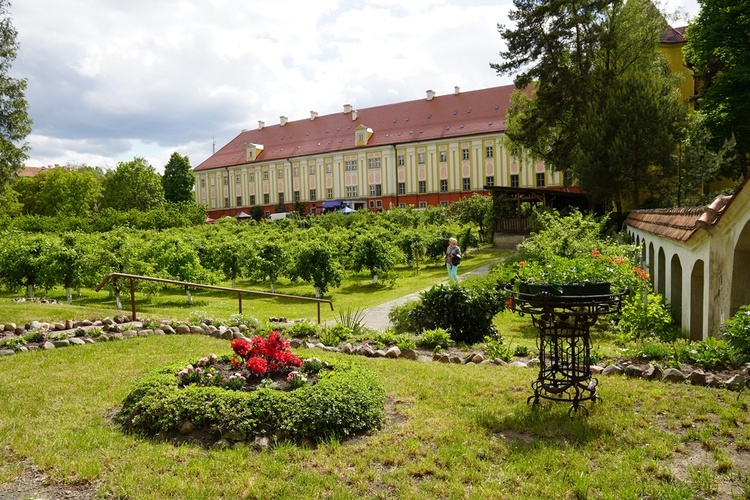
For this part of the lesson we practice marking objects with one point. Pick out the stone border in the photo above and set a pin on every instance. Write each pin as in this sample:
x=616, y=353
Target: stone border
x=120, y=328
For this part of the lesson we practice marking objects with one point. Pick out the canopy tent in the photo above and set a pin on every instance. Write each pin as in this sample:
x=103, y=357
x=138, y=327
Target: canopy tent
x=243, y=215
x=332, y=204
x=209, y=220
x=347, y=210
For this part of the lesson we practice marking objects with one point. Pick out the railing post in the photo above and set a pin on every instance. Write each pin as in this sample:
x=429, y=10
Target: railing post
x=239, y=298
x=318, y=312
x=132, y=298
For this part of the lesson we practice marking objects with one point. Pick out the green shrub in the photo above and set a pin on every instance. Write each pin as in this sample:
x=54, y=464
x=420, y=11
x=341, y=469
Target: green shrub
x=35, y=336
x=353, y=319
x=384, y=339
x=401, y=317
x=12, y=342
x=404, y=342
x=712, y=354
x=649, y=318
x=346, y=401
x=335, y=335
x=496, y=349
x=303, y=329
x=736, y=331
x=467, y=313
x=437, y=337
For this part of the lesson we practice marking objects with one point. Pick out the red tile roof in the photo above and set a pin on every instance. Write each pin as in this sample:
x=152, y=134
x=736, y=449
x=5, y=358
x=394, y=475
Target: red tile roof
x=673, y=35
x=679, y=223
x=449, y=116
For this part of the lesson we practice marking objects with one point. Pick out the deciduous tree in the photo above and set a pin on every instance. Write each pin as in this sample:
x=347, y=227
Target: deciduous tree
x=133, y=184
x=178, y=179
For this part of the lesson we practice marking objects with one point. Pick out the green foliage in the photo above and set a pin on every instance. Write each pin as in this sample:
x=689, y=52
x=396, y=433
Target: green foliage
x=316, y=263
x=377, y=254
x=404, y=342
x=436, y=337
x=402, y=318
x=477, y=210
x=647, y=316
x=712, y=354
x=736, y=331
x=353, y=319
x=467, y=313
x=61, y=191
x=496, y=349
x=178, y=179
x=335, y=334
x=24, y=262
x=269, y=260
x=348, y=400
x=133, y=185
x=303, y=329
x=15, y=123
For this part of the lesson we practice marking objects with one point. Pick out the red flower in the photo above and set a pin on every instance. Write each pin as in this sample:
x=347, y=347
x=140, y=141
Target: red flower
x=241, y=347
x=641, y=273
x=511, y=303
x=595, y=253
x=258, y=366
x=521, y=263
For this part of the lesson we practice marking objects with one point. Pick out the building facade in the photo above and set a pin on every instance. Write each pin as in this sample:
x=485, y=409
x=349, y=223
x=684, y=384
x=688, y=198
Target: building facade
x=426, y=152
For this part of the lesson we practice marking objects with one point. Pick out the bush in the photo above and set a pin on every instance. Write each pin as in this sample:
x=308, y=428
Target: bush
x=348, y=400
x=466, y=313
x=496, y=349
x=647, y=319
x=431, y=339
x=736, y=331
x=712, y=354
x=303, y=329
x=336, y=334
x=401, y=317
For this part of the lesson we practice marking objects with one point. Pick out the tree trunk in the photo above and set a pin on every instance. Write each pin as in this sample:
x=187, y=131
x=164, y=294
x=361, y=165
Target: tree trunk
x=318, y=294
x=117, y=300
x=234, y=282
x=69, y=294
x=273, y=287
x=374, y=279
x=189, y=296
x=30, y=291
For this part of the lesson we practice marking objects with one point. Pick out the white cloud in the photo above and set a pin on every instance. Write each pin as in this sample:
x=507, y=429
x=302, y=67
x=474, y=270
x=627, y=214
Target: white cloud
x=110, y=80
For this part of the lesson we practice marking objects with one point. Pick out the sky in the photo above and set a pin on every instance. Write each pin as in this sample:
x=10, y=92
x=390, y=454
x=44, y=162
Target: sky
x=111, y=80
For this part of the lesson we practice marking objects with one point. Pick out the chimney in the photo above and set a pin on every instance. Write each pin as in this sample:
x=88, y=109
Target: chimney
x=261, y=124
x=430, y=94
x=456, y=90
x=354, y=114
x=347, y=109
x=282, y=120
x=244, y=130
x=313, y=115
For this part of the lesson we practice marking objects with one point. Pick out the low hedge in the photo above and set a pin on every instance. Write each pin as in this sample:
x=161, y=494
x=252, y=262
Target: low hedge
x=347, y=400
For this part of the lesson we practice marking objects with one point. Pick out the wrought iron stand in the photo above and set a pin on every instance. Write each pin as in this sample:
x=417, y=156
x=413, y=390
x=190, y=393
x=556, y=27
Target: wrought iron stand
x=564, y=323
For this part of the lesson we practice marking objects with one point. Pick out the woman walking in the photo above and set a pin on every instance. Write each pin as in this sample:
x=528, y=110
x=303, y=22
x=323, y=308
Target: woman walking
x=452, y=259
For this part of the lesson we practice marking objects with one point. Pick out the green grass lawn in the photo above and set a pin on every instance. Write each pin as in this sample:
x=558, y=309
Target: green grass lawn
x=356, y=292
x=453, y=431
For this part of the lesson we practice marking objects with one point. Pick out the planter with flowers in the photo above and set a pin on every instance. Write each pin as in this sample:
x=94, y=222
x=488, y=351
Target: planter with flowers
x=262, y=390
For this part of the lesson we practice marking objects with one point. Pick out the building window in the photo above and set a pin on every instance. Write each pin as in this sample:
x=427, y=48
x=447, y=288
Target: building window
x=296, y=196
x=329, y=193
x=266, y=198
x=267, y=214
x=401, y=188
x=372, y=204
x=420, y=158
x=295, y=171
x=351, y=165
x=329, y=168
x=540, y=179
x=360, y=137
x=265, y=175
x=567, y=178
x=422, y=186
x=252, y=177
x=373, y=163
x=443, y=156
x=281, y=174
x=226, y=200
x=379, y=203
x=239, y=201
x=514, y=180
x=226, y=181
x=237, y=179
x=400, y=160
x=312, y=195
x=490, y=180
x=351, y=191
x=312, y=210
x=422, y=204
x=467, y=184
x=402, y=205
x=443, y=203
x=281, y=198
x=312, y=169
x=465, y=153
x=444, y=186
x=252, y=200
x=375, y=189
x=490, y=151
x=203, y=183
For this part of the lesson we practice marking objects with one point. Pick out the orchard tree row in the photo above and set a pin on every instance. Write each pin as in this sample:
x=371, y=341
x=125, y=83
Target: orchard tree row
x=324, y=248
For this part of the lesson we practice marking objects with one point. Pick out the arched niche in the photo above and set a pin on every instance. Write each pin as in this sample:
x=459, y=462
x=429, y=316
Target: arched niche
x=675, y=285
x=661, y=272
x=697, y=280
x=741, y=272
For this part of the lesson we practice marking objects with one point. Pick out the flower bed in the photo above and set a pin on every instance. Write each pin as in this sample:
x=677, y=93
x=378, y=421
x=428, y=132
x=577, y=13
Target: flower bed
x=264, y=390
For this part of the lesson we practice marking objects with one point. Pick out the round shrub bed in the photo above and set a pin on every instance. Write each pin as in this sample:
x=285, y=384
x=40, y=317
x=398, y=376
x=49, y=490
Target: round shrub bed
x=323, y=402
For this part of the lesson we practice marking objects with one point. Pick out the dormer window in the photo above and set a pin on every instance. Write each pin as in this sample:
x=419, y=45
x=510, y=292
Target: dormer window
x=362, y=135
x=253, y=151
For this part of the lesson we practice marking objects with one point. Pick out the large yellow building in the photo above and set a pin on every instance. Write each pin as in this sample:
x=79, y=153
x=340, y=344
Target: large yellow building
x=430, y=151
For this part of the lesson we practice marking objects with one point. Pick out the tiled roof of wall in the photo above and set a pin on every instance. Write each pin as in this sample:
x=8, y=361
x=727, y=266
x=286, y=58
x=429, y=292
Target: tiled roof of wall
x=673, y=35
x=453, y=115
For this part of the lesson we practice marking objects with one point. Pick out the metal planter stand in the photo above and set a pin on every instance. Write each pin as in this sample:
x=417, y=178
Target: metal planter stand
x=564, y=322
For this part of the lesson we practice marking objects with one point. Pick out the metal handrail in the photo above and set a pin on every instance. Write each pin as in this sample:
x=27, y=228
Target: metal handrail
x=133, y=277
